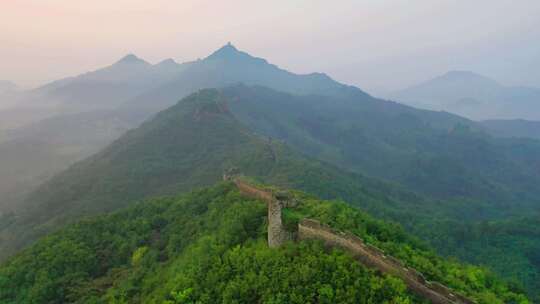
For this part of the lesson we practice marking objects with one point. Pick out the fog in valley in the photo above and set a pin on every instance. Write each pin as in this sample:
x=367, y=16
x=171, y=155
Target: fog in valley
x=423, y=114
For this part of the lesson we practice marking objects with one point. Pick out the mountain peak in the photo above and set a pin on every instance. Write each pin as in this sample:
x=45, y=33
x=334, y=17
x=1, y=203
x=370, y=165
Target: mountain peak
x=167, y=63
x=462, y=75
x=229, y=52
x=131, y=59
x=229, y=47
x=226, y=51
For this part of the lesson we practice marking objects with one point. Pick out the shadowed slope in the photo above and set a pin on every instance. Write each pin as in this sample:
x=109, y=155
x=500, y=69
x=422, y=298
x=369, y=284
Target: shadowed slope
x=184, y=147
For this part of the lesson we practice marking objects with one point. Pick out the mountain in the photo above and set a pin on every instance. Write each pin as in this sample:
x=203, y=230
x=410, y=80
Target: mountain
x=97, y=94
x=510, y=247
x=467, y=176
x=210, y=246
x=184, y=147
x=434, y=153
x=190, y=144
x=225, y=66
x=109, y=86
x=473, y=96
x=102, y=89
x=32, y=154
x=513, y=128
x=229, y=66
x=47, y=129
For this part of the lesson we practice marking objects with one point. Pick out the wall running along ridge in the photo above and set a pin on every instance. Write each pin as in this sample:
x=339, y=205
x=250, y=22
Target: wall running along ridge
x=366, y=254
x=375, y=258
x=277, y=234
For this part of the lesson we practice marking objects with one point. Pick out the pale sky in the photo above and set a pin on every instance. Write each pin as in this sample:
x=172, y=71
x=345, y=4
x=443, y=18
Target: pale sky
x=375, y=44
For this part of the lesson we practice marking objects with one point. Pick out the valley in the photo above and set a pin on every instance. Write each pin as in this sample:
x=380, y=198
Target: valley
x=93, y=164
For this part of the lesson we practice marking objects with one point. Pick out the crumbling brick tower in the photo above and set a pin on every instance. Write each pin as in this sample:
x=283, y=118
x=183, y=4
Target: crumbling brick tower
x=276, y=232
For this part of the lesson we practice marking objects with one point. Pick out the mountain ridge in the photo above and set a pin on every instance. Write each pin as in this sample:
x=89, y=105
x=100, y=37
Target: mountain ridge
x=474, y=96
x=181, y=148
x=200, y=246
x=470, y=177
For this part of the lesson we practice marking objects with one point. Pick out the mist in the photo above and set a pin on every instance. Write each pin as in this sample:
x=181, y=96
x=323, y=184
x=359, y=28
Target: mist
x=379, y=46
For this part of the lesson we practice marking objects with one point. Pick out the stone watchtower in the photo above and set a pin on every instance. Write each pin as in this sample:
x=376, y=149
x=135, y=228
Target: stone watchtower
x=277, y=234
x=230, y=174
x=275, y=201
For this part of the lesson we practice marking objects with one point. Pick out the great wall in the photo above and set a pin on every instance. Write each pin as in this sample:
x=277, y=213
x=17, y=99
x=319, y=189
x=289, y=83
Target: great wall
x=368, y=255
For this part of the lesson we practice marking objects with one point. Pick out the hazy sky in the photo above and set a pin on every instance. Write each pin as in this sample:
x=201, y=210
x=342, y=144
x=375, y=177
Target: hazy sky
x=375, y=44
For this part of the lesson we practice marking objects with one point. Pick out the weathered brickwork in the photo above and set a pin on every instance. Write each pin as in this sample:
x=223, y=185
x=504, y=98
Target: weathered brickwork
x=366, y=254
x=375, y=258
x=277, y=234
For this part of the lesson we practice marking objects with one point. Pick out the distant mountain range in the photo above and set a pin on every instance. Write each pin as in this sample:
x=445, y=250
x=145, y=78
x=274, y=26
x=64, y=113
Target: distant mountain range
x=229, y=66
x=513, y=128
x=280, y=138
x=118, y=97
x=390, y=131
x=108, y=87
x=103, y=89
x=438, y=174
x=184, y=147
x=473, y=96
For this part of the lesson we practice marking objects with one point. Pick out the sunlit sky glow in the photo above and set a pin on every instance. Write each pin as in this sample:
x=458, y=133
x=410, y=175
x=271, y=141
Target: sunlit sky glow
x=376, y=44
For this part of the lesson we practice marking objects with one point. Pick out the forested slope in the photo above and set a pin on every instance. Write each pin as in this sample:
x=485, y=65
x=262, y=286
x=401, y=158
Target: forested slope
x=182, y=148
x=189, y=145
x=209, y=246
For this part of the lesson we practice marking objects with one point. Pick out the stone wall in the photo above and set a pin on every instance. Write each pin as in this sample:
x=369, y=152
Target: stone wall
x=254, y=192
x=277, y=234
x=366, y=254
x=375, y=258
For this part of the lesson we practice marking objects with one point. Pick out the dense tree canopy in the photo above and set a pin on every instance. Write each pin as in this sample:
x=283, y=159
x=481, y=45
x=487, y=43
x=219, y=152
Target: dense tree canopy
x=209, y=246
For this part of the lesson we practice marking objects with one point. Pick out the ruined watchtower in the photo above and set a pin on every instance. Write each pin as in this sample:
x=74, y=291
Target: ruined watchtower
x=275, y=201
x=277, y=234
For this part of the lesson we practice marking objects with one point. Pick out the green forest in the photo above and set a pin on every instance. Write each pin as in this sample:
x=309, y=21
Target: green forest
x=190, y=144
x=209, y=246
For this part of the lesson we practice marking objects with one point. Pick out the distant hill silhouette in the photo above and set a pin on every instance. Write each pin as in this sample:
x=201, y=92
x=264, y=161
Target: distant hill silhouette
x=513, y=128
x=184, y=147
x=473, y=96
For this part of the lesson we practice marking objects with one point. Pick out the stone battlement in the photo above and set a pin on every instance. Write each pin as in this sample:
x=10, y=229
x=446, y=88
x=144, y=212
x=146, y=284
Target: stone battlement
x=366, y=254
x=373, y=257
x=277, y=234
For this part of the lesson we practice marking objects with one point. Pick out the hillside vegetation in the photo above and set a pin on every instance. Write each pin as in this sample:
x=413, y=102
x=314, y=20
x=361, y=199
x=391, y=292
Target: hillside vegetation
x=189, y=145
x=209, y=246
x=182, y=148
x=433, y=153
